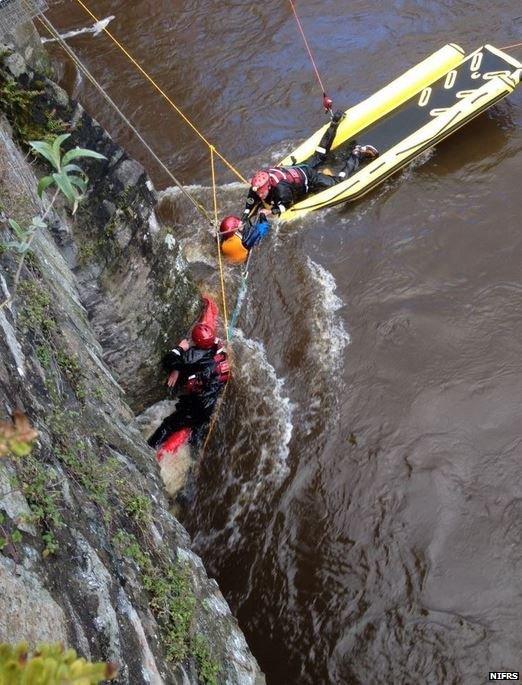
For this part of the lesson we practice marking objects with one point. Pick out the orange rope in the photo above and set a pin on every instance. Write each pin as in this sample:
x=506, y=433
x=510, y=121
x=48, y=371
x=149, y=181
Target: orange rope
x=162, y=93
x=213, y=152
x=508, y=47
x=216, y=228
x=217, y=409
x=314, y=65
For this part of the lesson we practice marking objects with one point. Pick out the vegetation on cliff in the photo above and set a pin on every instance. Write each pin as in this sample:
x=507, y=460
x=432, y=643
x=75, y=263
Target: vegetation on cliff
x=49, y=665
x=91, y=555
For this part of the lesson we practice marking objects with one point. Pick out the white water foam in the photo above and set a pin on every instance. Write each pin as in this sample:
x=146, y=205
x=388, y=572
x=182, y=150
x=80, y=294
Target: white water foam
x=331, y=337
x=193, y=232
x=253, y=366
x=272, y=429
x=281, y=150
x=95, y=29
x=174, y=195
x=231, y=200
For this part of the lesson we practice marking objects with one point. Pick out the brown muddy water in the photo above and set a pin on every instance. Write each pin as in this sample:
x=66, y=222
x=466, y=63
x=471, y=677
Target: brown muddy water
x=361, y=502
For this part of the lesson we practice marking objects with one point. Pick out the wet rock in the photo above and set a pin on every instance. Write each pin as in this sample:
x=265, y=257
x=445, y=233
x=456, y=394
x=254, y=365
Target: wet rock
x=13, y=344
x=123, y=235
x=27, y=610
x=25, y=39
x=97, y=522
x=16, y=64
x=151, y=418
x=110, y=207
x=95, y=578
x=58, y=94
x=129, y=172
x=13, y=503
x=150, y=669
x=225, y=635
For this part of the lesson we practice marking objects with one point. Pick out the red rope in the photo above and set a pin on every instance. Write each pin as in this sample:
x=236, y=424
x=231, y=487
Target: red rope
x=300, y=26
x=507, y=47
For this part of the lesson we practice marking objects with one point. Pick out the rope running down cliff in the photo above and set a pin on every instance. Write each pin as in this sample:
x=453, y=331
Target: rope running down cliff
x=163, y=93
x=79, y=64
x=214, y=222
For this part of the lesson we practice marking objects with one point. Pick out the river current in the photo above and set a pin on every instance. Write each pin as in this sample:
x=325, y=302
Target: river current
x=360, y=503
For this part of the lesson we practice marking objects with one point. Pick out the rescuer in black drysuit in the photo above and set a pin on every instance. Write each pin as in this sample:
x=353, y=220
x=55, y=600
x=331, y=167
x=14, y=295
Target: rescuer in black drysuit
x=198, y=371
x=282, y=187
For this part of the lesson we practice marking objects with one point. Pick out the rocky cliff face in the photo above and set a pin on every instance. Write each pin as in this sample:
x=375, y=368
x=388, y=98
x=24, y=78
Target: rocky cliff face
x=93, y=557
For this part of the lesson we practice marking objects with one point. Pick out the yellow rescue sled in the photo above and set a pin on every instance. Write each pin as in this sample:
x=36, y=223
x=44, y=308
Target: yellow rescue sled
x=416, y=111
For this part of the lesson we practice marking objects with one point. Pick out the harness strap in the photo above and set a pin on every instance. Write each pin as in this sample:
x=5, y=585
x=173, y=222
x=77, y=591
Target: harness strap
x=294, y=175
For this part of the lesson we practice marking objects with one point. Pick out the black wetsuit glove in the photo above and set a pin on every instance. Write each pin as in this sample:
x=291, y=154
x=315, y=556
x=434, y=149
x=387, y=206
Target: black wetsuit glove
x=338, y=117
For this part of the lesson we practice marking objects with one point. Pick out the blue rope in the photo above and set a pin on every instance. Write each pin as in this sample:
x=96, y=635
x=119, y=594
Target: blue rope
x=239, y=303
x=240, y=299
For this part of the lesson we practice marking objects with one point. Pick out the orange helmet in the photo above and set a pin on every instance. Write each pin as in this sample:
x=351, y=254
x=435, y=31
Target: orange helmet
x=261, y=183
x=229, y=226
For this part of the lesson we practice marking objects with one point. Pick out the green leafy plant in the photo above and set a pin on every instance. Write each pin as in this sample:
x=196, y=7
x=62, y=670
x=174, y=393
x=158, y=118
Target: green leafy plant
x=69, y=178
x=16, y=536
x=23, y=235
x=36, y=313
x=208, y=668
x=171, y=599
x=89, y=471
x=51, y=544
x=41, y=488
x=50, y=665
x=137, y=506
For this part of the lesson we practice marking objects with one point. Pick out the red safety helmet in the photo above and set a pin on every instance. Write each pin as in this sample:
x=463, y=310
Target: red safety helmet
x=203, y=336
x=261, y=183
x=229, y=225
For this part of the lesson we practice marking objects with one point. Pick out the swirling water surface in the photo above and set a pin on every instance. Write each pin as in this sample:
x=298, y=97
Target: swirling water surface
x=361, y=503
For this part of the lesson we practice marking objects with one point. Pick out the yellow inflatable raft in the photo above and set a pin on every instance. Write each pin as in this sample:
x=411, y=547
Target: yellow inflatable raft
x=414, y=112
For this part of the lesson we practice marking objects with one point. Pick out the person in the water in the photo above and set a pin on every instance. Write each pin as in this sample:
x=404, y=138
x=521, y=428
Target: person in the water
x=197, y=370
x=281, y=187
x=238, y=238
